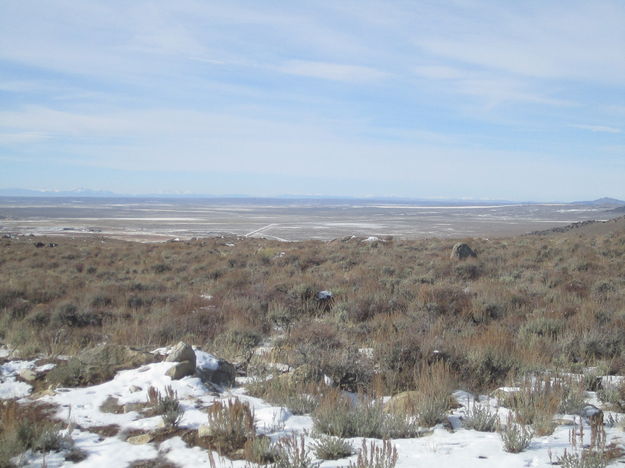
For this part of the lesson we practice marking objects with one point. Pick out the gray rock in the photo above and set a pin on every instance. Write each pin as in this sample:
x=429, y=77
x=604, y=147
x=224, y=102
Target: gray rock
x=140, y=439
x=181, y=369
x=111, y=405
x=324, y=295
x=115, y=357
x=138, y=407
x=28, y=375
x=462, y=251
x=592, y=415
x=223, y=376
x=181, y=352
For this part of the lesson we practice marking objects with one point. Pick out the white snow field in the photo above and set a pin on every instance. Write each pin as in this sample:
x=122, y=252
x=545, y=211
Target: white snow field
x=442, y=448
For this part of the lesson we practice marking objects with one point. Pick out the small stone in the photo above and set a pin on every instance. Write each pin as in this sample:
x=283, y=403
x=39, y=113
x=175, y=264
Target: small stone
x=111, y=405
x=28, y=375
x=134, y=389
x=140, y=439
x=563, y=422
x=204, y=431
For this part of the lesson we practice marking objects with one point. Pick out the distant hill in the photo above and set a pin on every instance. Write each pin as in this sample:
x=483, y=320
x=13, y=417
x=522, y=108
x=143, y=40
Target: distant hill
x=605, y=201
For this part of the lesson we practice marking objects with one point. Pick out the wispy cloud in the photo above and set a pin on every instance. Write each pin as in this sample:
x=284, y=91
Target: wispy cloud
x=332, y=71
x=493, y=88
x=598, y=128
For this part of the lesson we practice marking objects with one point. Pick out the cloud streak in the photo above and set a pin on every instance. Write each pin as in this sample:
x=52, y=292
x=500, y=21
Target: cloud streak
x=598, y=128
x=333, y=71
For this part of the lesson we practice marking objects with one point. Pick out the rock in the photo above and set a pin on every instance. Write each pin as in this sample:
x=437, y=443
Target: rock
x=592, y=414
x=140, y=439
x=181, y=352
x=223, y=375
x=324, y=295
x=181, y=369
x=43, y=393
x=325, y=299
x=408, y=402
x=111, y=405
x=138, y=407
x=28, y=375
x=106, y=359
x=102, y=362
x=204, y=431
x=403, y=403
x=564, y=422
x=462, y=251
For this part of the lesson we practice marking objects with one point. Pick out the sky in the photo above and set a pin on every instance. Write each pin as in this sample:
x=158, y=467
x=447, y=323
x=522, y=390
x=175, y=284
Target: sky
x=423, y=99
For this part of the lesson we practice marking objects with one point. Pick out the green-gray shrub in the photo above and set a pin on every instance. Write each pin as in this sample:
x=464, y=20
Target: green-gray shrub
x=338, y=416
x=515, y=437
x=481, y=418
x=332, y=448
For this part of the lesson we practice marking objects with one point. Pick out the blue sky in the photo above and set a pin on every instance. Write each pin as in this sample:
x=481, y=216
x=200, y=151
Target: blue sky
x=477, y=99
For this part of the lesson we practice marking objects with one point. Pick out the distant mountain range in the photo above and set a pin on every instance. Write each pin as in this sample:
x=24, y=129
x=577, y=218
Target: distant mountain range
x=18, y=192
x=617, y=205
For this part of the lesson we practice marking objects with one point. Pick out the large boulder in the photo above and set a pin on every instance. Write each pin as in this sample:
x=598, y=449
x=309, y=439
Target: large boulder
x=462, y=251
x=403, y=403
x=115, y=356
x=181, y=352
x=180, y=370
x=184, y=357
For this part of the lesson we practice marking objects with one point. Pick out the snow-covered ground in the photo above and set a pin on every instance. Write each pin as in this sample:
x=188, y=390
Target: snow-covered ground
x=10, y=387
x=459, y=447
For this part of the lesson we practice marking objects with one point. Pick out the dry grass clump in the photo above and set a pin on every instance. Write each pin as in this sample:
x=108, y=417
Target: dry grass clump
x=24, y=427
x=291, y=452
x=536, y=402
x=373, y=456
x=300, y=397
x=597, y=454
x=434, y=383
x=526, y=303
x=231, y=426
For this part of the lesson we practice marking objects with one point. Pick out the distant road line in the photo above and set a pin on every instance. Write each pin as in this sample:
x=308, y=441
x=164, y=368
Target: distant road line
x=260, y=230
